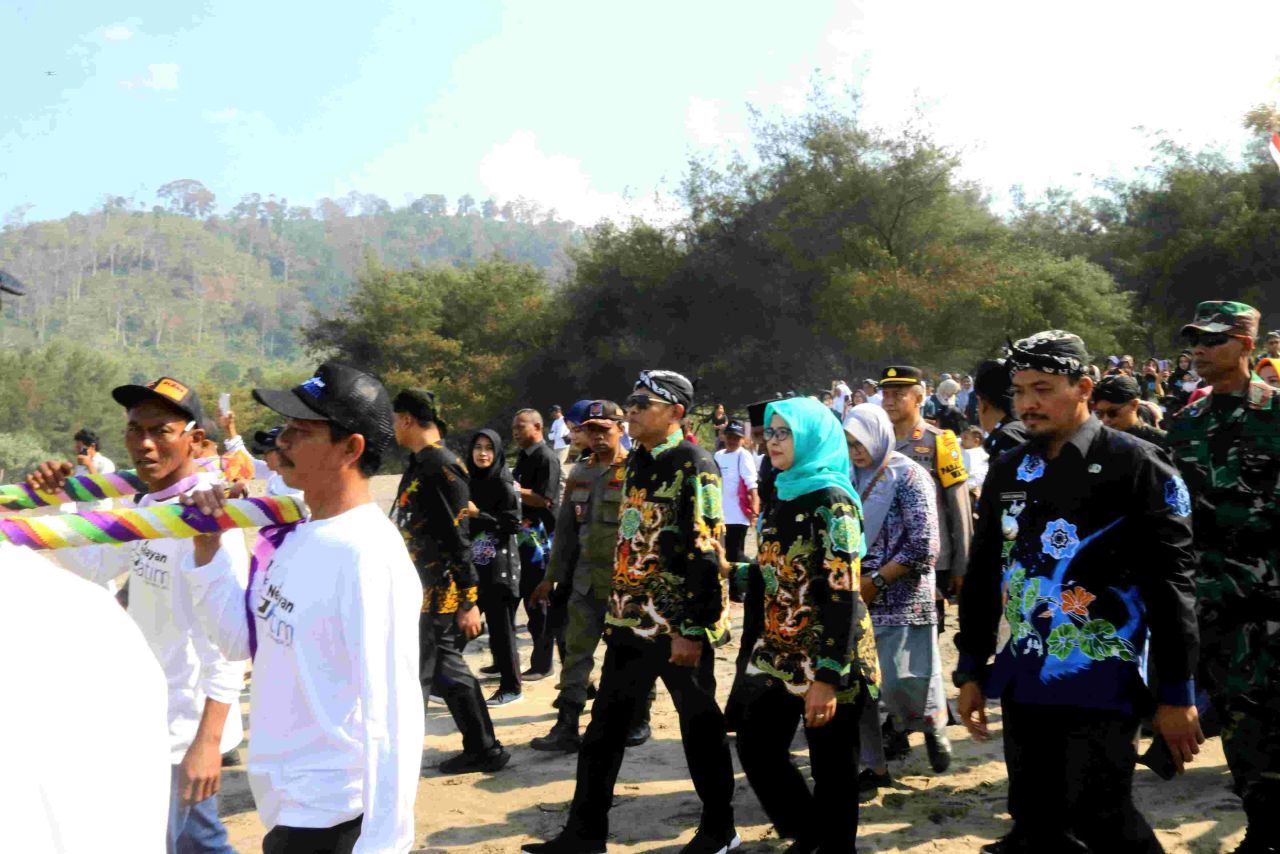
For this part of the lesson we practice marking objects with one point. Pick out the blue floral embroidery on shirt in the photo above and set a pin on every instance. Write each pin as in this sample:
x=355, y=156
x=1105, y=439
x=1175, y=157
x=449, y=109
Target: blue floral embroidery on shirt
x=1032, y=467
x=1177, y=496
x=1059, y=539
x=483, y=550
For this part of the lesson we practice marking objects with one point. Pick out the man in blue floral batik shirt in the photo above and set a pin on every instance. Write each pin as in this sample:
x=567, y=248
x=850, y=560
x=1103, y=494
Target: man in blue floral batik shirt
x=1084, y=544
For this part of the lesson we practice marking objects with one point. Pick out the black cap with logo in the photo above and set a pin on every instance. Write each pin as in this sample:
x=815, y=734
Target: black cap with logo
x=352, y=399
x=736, y=428
x=265, y=440
x=604, y=413
x=176, y=394
x=901, y=375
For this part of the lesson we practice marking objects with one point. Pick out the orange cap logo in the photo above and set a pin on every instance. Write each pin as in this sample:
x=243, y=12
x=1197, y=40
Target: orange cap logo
x=171, y=389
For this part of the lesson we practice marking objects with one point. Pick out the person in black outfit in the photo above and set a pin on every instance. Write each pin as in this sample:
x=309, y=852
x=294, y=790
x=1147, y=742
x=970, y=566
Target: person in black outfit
x=993, y=390
x=1084, y=546
x=664, y=617
x=537, y=476
x=495, y=522
x=431, y=512
x=1117, y=403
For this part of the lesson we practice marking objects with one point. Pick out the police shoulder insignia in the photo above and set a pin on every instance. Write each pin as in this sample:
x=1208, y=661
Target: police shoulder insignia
x=950, y=464
x=915, y=437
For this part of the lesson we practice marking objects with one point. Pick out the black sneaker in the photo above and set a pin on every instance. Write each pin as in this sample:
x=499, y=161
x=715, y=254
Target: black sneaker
x=869, y=782
x=897, y=745
x=467, y=763
x=563, y=844
x=504, y=698
x=532, y=675
x=939, y=747
x=490, y=670
x=705, y=842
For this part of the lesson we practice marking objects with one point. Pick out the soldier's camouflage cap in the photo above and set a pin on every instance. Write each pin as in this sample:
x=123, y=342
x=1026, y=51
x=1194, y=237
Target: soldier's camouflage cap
x=1234, y=318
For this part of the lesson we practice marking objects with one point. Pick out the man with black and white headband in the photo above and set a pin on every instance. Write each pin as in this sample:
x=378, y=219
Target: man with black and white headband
x=1084, y=544
x=664, y=617
x=331, y=621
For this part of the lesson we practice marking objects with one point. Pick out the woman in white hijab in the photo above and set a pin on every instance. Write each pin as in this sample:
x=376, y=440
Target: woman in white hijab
x=901, y=525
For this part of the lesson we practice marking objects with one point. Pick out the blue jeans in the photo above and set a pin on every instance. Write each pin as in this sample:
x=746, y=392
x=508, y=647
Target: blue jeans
x=194, y=829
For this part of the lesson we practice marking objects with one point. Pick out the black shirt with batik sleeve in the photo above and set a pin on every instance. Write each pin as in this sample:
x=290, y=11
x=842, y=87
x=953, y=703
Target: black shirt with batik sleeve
x=666, y=576
x=1085, y=555
x=538, y=470
x=431, y=513
x=816, y=627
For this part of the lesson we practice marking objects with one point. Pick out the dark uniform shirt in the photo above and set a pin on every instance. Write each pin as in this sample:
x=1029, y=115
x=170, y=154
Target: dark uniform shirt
x=1147, y=433
x=538, y=470
x=431, y=513
x=588, y=526
x=1084, y=555
x=1008, y=434
x=666, y=576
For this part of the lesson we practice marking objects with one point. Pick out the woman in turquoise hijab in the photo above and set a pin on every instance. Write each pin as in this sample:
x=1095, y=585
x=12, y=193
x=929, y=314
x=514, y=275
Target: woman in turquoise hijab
x=815, y=658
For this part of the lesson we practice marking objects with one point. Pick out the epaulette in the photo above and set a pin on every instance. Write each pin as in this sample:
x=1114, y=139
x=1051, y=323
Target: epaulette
x=1260, y=395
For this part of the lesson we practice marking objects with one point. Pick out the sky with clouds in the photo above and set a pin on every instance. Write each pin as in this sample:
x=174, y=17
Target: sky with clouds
x=588, y=108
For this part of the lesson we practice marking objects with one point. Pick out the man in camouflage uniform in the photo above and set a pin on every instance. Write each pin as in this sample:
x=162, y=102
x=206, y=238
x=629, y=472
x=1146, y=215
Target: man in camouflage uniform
x=1227, y=446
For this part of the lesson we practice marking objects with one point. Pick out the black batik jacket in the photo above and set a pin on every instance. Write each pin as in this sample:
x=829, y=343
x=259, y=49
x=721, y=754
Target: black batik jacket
x=431, y=513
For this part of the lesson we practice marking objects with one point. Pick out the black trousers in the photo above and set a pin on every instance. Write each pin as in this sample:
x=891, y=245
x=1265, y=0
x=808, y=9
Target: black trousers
x=441, y=643
x=552, y=637
x=827, y=818
x=1071, y=779
x=752, y=623
x=339, y=839
x=631, y=668
x=499, y=605
x=735, y=543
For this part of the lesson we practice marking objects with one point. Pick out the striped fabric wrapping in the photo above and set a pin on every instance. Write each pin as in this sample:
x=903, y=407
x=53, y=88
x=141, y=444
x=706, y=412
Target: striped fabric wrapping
x=162, y=521
x=96, y=487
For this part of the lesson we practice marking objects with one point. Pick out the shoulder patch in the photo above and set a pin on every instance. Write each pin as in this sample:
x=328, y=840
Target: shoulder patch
x=950, y=461
x=1260, y=395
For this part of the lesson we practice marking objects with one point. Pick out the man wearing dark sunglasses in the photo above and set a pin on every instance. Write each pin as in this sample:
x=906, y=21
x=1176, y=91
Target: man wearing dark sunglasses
x=1225, y=445
x=1116, y=400
x=665, y=607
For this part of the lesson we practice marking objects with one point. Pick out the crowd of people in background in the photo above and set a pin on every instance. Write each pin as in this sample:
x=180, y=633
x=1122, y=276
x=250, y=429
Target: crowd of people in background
x=1130, y=562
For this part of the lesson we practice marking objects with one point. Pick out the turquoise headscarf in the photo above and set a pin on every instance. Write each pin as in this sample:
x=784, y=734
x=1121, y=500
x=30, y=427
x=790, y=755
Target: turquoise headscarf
x=821, y=454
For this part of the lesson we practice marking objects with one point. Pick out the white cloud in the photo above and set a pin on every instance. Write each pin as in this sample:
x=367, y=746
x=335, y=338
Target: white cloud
x=117, y=33
x=518, y=168
x=708, y=126
x=161, y=76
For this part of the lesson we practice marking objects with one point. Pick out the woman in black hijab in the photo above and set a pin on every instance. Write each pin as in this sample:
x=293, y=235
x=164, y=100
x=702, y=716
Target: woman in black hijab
x=495, y=520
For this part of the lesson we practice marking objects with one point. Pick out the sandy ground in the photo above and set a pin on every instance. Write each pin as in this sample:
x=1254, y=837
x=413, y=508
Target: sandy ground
x=656, y=808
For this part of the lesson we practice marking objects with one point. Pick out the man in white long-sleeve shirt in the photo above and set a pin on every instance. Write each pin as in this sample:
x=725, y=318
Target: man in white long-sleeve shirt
x=331, y=621
x=162, y=437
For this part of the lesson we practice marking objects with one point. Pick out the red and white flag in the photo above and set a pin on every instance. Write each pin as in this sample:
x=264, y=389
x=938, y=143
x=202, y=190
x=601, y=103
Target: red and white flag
x=1274, y=148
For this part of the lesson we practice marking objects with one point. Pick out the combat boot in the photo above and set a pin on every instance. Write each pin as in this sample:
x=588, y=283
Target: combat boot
x=564, y=736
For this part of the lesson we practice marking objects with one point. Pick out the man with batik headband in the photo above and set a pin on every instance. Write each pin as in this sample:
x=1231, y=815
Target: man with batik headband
x=431, y=512
x=1225, y=445
x=940, y=453
x=1083, y=543
x=162, y=435
x=664, y=609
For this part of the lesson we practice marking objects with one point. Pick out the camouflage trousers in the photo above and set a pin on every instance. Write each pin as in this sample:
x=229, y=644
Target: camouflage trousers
x=1251, y=740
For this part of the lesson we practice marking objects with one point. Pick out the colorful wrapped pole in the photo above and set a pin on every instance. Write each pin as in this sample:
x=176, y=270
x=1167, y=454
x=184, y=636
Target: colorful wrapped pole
x=160, y=521
x=96, y=487
x=85, y=487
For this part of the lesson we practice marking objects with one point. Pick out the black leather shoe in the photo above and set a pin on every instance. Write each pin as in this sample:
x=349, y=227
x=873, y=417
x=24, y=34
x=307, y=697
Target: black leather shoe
x=563, y=844
x=939, y=747
x=490, y=670
x=532, y=675
x=869, y=782
x=467, y=763
x=705, y=842
x=639, y=734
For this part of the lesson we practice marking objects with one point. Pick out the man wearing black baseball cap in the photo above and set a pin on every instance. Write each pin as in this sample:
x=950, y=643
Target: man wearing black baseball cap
x=331, y=621
x=163, y=436
x=993, y=393
x=266, y=463
x=1116, y=400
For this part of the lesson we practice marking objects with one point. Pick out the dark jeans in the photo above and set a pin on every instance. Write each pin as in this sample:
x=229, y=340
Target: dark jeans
x=546, y=621
x=499, y=605
x=339, y=839
x=630, y=669
x=441, y=662
x=827, y=818
x=195, y=829
x=735, y=543
x=1071, y=779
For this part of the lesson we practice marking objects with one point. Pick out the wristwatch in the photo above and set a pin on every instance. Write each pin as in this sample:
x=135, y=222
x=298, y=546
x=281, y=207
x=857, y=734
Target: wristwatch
x=879, y=582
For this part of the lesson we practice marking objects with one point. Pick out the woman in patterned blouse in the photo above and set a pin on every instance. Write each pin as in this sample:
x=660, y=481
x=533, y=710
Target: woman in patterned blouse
x=897, y=584
x=815, y=657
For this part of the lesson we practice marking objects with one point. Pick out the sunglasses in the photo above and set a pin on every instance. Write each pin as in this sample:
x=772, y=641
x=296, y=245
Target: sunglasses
x=780, y=434
x=1207, y=339
x=641, y=402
